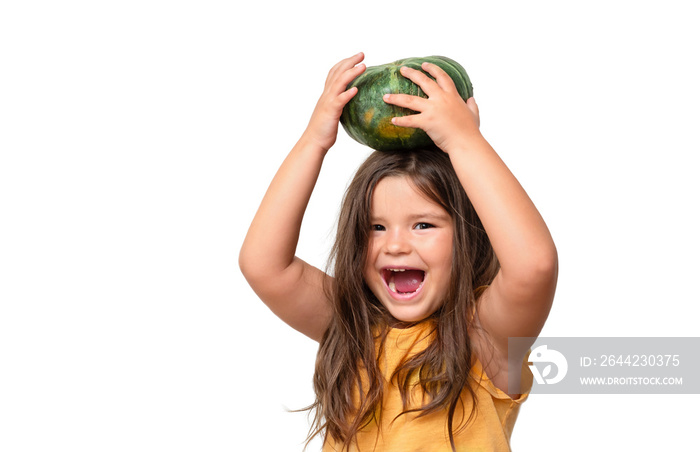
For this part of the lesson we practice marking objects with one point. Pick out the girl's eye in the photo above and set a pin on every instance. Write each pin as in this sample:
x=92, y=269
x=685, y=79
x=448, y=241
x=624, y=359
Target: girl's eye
x=377, y=227
x=424, y=226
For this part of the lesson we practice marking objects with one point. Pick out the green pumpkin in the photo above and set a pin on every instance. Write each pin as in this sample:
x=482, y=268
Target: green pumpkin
x=367, y=118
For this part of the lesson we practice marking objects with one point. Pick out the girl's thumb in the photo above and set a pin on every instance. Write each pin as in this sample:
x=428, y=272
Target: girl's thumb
x=471, y=104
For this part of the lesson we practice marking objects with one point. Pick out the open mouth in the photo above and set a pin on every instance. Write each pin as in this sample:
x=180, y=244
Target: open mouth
x=403, y=281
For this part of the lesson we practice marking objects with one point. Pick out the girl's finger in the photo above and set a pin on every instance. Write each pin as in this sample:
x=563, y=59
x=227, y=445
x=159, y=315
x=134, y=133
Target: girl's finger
x=414, y=103
x=406, y=121
x=345, y=96
x=348, y=76
x=427, y=84
x=443, y=80
x=346, y=64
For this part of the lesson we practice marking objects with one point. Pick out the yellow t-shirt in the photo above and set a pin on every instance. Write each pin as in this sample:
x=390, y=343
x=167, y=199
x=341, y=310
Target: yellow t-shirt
x=489, y=430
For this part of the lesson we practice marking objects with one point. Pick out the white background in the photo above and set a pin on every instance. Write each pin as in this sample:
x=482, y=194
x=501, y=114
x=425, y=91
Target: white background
x=138, y=137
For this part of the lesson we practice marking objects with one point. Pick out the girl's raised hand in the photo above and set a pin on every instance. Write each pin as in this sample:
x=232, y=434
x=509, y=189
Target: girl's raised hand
x=323, y=125
x=449, y=121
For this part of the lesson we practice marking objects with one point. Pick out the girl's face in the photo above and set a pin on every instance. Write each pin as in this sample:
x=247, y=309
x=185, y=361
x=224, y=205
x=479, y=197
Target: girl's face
x=410, y=250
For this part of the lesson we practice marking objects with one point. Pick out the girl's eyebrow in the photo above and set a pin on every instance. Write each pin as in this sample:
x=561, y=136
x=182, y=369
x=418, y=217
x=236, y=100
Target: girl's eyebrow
x=429, y=215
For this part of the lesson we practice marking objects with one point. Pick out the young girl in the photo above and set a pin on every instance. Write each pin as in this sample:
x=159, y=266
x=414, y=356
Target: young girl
x=440, y=257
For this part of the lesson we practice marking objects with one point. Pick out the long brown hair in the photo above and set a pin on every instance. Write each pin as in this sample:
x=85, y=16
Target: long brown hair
x=346, y=364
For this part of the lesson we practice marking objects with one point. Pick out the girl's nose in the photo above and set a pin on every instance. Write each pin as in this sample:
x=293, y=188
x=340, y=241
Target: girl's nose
x=397, y=242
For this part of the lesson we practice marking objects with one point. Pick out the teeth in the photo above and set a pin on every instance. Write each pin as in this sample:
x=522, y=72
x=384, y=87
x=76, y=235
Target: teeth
x=397, y=269
x=392, y=286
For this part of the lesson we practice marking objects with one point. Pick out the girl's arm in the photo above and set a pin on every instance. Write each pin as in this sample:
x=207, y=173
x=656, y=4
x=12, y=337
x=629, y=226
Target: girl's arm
x=290, y=287
x=518, y=301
